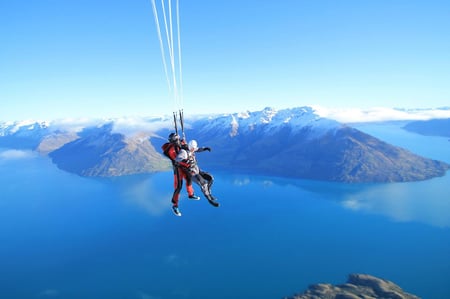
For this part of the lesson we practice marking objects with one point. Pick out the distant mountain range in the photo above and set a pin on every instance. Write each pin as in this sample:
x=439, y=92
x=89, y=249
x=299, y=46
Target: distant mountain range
x=23, y=135
x=432, y=127
x=291, y=142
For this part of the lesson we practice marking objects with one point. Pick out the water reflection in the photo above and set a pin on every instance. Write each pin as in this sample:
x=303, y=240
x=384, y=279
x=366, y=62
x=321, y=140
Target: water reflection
x=426, y=201
x=13, y=154
x=146, y=191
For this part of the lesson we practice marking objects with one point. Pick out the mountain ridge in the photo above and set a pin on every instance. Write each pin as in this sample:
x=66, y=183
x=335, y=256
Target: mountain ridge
x=319, y=149
x=433, y=127
x=100, y=152
x=293, y=142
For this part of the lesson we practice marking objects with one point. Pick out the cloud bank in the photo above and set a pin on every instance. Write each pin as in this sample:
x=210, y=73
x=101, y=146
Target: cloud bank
x=377, y=114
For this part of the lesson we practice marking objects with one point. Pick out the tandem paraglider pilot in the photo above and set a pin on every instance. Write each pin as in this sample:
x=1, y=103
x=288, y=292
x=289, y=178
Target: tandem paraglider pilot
x=171, y=150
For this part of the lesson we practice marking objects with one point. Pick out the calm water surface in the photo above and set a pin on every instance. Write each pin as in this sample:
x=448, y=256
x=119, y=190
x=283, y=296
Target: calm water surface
x=63, y=236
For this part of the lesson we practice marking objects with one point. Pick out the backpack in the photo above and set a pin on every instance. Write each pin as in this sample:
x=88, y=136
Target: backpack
x=167, y=148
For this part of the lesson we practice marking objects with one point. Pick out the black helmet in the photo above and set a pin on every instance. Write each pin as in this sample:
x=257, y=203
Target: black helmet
x=173, y=137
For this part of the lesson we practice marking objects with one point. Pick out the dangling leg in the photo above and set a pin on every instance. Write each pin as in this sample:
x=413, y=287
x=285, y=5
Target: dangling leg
x=177, y=184
x=210, y=180
x=199, y=180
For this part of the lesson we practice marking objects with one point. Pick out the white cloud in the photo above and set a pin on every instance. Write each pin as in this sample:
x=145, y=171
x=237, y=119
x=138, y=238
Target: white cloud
x=132, y=125
x=124, y=125
x=16, y=155
x=354, y=115
x=75, y=124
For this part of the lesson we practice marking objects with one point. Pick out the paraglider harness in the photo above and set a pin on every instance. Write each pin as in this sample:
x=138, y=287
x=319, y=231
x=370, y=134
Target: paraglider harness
x=175, y=144
x=173, y=147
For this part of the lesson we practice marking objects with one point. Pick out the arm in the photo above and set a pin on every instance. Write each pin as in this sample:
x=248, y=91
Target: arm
x=202, y=149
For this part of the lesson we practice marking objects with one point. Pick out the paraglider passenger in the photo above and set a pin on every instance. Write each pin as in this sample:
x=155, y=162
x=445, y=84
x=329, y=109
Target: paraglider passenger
x=171, y=150
x=186, y=159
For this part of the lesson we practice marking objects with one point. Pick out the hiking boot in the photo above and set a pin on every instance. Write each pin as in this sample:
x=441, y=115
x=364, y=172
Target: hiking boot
x=194, y=197
x=176, y=211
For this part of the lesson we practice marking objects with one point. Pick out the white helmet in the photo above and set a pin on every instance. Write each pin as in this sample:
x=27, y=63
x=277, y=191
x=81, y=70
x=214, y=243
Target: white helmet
x=192, y=145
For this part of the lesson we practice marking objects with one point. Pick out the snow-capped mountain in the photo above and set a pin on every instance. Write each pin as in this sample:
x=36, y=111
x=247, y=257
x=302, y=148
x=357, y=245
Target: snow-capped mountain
x=26, y=127
x=91, y=147
x=269, y=121
x=22, y=134
x=290, y=142
x=299, y=143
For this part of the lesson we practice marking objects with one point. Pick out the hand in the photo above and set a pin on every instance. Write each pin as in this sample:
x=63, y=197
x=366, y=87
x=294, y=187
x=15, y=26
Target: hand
x=207, y=149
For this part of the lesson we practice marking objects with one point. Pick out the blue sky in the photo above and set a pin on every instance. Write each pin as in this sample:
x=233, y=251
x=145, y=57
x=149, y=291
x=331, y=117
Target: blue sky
x=61, y=58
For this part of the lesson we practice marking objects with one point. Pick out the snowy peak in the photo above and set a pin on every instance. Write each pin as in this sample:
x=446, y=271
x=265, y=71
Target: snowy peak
x=302, y=116
x=269, y=121
x=299, y=143
x=27, y=127
x=22, y=134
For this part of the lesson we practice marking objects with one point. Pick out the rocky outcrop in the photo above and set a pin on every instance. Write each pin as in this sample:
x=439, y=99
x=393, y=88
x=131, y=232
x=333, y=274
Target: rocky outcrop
x=358, y=286
x=55, y=141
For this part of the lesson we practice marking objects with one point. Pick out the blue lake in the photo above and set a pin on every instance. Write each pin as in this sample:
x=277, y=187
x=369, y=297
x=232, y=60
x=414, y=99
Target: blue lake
x=64, y=236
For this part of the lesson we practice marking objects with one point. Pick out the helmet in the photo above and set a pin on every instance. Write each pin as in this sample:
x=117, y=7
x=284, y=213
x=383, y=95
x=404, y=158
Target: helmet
x=192, y=145
x=173, y=137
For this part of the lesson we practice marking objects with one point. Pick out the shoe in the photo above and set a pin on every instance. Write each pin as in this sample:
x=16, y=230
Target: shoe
x=176, y=211
x=194, y=197
x=213, y=202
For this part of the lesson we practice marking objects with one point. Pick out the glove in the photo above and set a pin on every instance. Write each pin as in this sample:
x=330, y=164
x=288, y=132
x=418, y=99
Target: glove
x=207, y=149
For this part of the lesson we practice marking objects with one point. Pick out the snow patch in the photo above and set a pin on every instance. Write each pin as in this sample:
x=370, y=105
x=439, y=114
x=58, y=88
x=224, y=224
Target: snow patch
x=234, y=126
x=7, y=128
x=272, y=120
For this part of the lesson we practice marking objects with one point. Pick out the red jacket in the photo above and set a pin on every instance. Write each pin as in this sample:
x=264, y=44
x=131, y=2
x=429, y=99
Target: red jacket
x=171, y=150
